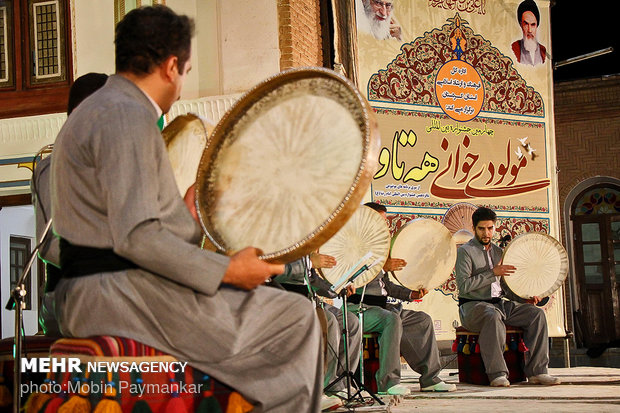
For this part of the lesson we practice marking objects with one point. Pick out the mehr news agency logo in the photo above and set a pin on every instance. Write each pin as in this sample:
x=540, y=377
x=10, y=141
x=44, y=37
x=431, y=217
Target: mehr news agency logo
x=75, y=365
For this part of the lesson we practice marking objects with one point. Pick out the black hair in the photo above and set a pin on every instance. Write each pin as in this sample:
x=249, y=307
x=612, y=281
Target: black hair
x=528, y=5
x=147, y=36
x=483, y=214
x=376, y=207
x=83, y=87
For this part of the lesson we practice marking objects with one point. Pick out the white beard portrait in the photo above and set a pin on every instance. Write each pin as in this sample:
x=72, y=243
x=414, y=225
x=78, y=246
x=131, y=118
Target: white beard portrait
x=530, y=44
x=380, y=29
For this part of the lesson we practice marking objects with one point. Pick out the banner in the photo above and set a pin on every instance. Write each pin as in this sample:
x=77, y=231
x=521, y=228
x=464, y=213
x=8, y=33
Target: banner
x=463, y=91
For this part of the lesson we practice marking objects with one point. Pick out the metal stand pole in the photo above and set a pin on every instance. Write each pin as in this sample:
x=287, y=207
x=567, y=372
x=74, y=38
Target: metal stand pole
x=360, y=315
x=17, y=302
x=347, y=374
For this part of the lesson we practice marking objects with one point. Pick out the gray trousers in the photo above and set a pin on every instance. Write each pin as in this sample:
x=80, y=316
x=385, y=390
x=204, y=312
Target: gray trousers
x=407, y=333
x=335, y=346
x=490, y=321
x=265, y=343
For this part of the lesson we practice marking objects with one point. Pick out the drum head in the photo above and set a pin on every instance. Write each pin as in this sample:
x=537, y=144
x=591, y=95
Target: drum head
x=186, y=137
x=287, y=165
x=366, y=232
x=430, y=252
x=541, y=262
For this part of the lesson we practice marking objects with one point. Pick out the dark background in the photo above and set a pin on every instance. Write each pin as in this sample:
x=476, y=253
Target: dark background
x=579, y=27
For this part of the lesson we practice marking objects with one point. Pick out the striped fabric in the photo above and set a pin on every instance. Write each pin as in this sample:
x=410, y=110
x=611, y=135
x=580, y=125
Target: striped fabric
x=103, y=346
x=212, y=396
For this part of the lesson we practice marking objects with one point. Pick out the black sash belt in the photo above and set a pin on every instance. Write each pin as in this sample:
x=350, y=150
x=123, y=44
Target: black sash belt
x=78, y=261
x=377, y=300
x=493, y=300
x=296, y=288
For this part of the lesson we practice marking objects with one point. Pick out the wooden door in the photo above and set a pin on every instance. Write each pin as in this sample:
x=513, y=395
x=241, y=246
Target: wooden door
x=597, y=256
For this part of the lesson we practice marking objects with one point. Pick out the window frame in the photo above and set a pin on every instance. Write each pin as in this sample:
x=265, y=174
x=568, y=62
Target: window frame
x=27, y=247
x=23, y=96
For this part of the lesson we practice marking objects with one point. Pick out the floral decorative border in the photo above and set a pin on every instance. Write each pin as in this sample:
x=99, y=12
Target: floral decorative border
x=420, y=204
x=486, y=121
x=410, y=77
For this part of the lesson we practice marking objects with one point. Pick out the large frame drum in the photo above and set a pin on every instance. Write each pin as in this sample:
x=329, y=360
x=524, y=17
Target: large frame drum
x=430, y=252
x=186, y=137
x=541, y=262
x=287, y=165
x=363, y=240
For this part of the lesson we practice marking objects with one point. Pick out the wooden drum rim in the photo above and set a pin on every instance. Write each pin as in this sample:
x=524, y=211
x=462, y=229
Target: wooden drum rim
x=349, y=202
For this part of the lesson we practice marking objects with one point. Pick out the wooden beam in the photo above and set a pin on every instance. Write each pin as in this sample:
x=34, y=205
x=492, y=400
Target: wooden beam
x=15, y=200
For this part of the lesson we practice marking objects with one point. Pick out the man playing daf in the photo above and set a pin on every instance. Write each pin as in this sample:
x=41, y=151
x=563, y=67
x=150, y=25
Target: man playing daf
x=483, y=307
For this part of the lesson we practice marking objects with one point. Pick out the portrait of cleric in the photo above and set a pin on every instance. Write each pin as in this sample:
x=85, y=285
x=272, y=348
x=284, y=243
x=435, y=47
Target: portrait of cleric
x=527, y=50
x=377, y=18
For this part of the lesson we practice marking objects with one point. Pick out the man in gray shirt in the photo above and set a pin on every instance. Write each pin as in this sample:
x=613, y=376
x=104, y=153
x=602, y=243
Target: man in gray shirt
x=129, y=248
x=483, y=307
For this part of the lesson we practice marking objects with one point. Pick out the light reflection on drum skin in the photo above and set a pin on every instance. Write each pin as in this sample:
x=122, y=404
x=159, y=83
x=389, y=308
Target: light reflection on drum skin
x=282, y=170
x=541, y=262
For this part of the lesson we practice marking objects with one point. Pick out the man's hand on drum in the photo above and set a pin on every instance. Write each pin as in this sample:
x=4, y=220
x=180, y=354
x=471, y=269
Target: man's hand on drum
x=502, y=270
x=190, y=201
x=350, y=290
x=417, y=295
x=394, y=264
x=534, y=300
x=322, y=260
x=246, y=271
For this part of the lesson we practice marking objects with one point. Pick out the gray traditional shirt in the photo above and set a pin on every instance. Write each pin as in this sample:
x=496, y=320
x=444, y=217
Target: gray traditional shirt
x=113, y=187
x=474, y=275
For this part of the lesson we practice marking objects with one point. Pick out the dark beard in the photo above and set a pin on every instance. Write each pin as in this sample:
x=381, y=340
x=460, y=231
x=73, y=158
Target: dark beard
x=483, y=243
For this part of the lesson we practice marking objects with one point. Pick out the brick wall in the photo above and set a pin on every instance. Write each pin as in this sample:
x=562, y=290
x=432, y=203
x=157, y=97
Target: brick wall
x=299, y=33
x=587, y=132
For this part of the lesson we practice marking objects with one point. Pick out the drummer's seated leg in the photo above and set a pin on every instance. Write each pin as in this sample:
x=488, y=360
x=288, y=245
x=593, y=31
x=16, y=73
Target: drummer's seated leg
x=388, y=325
x=334, y=331
x=533, y=321
x=419, y=348
x=488, y=320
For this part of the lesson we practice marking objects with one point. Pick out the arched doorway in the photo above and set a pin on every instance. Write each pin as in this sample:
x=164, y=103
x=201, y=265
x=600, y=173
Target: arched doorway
x=595, y=216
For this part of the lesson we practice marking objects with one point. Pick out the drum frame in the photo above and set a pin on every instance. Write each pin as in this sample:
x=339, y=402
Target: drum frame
x=348, y=204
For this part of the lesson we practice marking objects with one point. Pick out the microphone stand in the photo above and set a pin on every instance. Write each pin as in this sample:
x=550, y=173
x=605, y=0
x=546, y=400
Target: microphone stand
x=348, y=374
x=18, y=303
x=360, y=315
